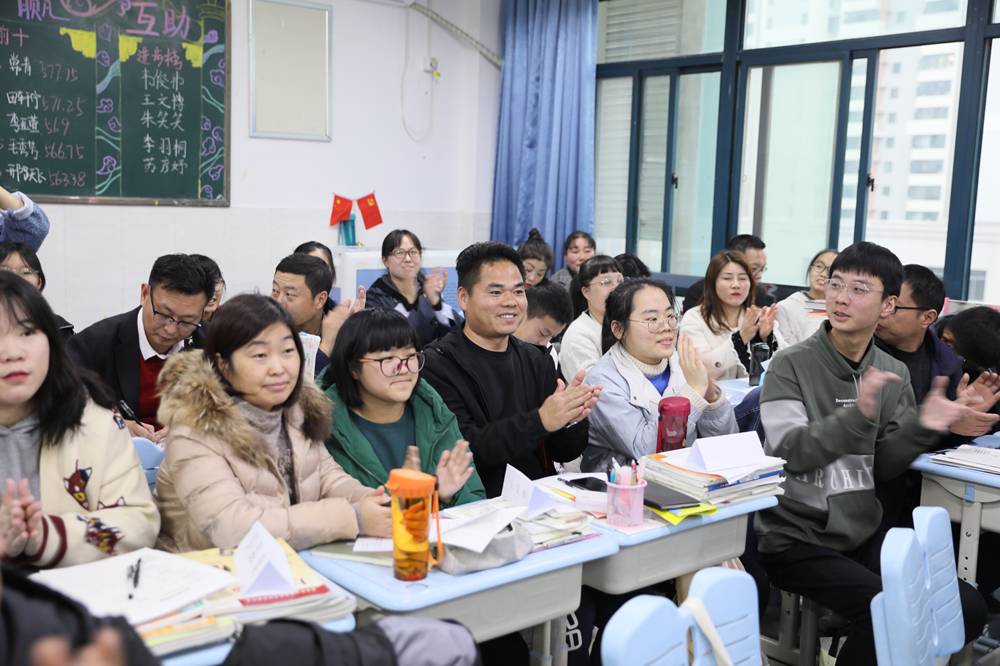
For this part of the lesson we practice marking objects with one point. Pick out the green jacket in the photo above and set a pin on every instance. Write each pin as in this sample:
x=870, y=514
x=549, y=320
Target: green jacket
x=437, y=431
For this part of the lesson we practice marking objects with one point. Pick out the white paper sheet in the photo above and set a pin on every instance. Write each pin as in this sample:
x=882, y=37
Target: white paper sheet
x=519, y=490
x=262, y=566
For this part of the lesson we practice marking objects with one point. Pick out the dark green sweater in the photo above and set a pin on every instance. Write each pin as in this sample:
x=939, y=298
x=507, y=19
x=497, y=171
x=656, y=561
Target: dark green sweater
x=436, y=431
x=833, y=453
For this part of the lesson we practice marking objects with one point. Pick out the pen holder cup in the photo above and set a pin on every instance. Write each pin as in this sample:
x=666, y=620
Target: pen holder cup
x=625, y=504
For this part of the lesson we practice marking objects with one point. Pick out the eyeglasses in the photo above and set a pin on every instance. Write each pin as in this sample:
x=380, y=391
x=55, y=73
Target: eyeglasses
x=819, y=268
x=24, y=272
x=856, y=290
x=166, y=320
x=656, y=323
x=412, y=253
x=393, y=365
x=613, y=282
x=758, y=272
x=907, y=307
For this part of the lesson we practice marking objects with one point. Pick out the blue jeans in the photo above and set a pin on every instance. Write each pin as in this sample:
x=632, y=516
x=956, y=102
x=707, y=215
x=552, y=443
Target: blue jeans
x=748, y=414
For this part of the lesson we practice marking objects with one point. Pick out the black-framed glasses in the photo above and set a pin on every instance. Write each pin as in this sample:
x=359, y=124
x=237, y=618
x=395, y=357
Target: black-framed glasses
x=907, y=307
x=819, y=268
x=412, y=253
x=656, y=323
x=856, y=290
x=166, y=320
x=758, y=272
x=393, y=365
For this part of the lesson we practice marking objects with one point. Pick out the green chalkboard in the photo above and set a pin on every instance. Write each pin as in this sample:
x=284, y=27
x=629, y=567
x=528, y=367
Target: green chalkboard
x=115, y=101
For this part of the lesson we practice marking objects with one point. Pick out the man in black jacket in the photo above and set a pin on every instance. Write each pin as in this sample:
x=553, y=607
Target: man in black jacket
x=129, y=350
x=509, y=403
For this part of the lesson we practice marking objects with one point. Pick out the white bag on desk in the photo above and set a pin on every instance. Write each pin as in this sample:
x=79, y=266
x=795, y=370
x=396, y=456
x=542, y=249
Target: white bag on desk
x=510, y=545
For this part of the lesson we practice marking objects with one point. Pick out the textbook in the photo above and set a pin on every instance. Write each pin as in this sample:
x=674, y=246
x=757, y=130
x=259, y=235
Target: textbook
x=722, y=488
x=969, y=456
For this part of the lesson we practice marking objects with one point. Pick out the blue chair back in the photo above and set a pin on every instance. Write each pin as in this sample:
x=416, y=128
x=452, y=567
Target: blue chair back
x=150, y=455
x=653, y=631
x=919, y=593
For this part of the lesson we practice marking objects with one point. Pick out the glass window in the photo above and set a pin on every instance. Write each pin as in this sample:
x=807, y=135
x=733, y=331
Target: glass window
x=895, y=68
x=920, y=181
x=846, y=20
x=940, y=61
x=613, y=125
x=787, y=162
x=652, y=168
x=933, y=88
x=852, y=154
x=887, y=167
x=630, y=30
x=894, y=93
x=892, y=118
x=885, y=191
x=883, y=215
x=986, y=233
x=890, y=142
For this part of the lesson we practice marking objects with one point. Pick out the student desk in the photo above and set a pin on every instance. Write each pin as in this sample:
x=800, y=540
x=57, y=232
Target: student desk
x=971, y=497
x=212, y=655
x=541, y=587
x=655, y=555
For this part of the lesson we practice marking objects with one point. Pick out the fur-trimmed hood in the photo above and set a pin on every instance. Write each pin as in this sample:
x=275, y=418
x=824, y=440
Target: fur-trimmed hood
x=192, y=394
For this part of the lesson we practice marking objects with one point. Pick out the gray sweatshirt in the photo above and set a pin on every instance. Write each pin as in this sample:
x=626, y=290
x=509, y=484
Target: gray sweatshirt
x=833, y=453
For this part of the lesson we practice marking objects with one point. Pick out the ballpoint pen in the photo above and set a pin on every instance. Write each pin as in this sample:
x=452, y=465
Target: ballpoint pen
x=133, y=577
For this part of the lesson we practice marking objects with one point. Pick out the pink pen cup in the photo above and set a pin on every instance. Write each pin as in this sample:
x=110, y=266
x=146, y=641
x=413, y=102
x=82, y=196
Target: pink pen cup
x=625, y=504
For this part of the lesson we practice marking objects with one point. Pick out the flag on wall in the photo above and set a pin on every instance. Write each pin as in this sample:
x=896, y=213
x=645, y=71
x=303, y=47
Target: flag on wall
x=369, y=211
x=341, y=209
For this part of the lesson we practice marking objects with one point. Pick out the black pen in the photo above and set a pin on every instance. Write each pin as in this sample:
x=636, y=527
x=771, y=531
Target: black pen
x=133, y=577
x=127, y=411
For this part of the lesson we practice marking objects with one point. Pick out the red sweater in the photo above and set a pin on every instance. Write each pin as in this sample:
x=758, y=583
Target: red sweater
x=149, y=396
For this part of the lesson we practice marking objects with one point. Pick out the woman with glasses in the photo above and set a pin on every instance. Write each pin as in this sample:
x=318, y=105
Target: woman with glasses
x=725, y=323
x=581, y=343
x=801, y=314
x=411, y=292
x=20, y=259
x=646, y=359
x=246, y=442
x=385, y=417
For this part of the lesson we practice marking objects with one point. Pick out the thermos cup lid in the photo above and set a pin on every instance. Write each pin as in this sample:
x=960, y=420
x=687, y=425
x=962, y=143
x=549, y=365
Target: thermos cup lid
x=410, y=483
x=675, y=407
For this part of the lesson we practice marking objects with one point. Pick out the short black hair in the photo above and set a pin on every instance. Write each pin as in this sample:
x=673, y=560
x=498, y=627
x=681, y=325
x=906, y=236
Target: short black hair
x=632, y=266
x=318, y=275
x=579, y=234
x=537, y=249
x=395, y=238
x=211, y=268
x=367, y=332
x=590, y=269
x=926, y=287
x=27, y=255
x=977, y=335
x=181, y=273
x=618, y=307
x=469, y=264
x=550, y=299
x=313, y=246
x=744, y=242
x=874, y=261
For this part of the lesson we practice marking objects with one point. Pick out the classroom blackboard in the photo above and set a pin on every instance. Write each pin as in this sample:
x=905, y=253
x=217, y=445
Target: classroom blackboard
x=115, y=101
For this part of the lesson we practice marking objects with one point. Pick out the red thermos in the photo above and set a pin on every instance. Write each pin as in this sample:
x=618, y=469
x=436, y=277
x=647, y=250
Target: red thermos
x=674, y=413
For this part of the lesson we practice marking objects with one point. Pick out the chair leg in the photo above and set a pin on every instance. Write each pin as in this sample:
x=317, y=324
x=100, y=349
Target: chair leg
x=785, y=648
x=808, y=636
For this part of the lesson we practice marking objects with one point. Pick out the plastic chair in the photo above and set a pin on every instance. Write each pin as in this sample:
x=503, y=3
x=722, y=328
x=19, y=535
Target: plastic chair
x=150, y=455
x=653, y=631
x=919, y=593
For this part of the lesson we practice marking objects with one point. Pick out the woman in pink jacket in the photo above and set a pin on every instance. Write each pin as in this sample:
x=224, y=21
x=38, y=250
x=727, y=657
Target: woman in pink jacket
x=247, y=442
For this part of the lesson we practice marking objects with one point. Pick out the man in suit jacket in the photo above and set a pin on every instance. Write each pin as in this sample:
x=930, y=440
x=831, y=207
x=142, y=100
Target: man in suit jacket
x=128, y=350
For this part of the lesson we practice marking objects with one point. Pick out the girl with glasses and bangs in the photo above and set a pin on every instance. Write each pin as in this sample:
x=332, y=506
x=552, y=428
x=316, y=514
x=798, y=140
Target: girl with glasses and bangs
x=646, y=359
x=581, y=343
x=246, y=442
x=412, y=292
x=385, y=417
x=801, y=314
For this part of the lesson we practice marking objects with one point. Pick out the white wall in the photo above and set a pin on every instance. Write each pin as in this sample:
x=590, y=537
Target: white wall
x=96, y=257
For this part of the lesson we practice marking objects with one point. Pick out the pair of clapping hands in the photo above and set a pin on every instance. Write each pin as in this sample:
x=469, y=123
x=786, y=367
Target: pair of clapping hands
x=758, y=321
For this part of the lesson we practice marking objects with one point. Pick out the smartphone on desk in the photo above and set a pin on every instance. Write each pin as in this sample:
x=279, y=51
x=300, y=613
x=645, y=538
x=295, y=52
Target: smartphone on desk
x=666, y=499
x=587, y=483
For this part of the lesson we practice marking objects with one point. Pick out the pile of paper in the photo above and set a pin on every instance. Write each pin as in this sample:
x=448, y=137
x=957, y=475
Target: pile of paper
x=720, y=470
x=972, y=456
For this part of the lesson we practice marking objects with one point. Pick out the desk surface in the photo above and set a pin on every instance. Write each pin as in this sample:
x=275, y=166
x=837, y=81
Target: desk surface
x=212, y=655
x=689, y=523
x=924, y=464
x=377, y=584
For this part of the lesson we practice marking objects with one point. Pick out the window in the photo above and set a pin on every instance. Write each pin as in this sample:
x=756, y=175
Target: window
x=887, y=167
x=851, y=166
x=858, y=17
x=925, y=216
x=853, y=142
x=890, y=142
x=855, y=116
x=933, y=88
x=613, y=125
x=984, y=278
x=850, y=192
x=931, y=112
x=892, y=118
x=643, y=30
x=885, y=191
x=883, y=215
x=977, y=286
x=937, y=61
x=935, y=6
x=894, y=93
x=896, y=67
x=928, y=141
x=857, y=92
x=927, y=166
x=925, y=193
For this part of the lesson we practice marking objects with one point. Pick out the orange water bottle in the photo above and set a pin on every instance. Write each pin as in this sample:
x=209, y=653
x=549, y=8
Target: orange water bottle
x=414, y=497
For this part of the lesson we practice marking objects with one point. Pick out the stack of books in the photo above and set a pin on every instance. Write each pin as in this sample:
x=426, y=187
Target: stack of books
x=720, y=487
x=981, y=456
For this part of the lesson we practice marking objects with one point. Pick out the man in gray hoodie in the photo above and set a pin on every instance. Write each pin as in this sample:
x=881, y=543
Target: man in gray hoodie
x=842, y=414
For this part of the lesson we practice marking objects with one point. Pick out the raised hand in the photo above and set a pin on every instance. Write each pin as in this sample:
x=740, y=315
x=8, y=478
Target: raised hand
x=749, y=325
x=453, y=470
x=568, y=404
x=359, y=302
x=937, y=412
x=765, y=324
x=695, y=373
x=871, y=386
x=434, y=284
x=412, y=458
x=20, y=520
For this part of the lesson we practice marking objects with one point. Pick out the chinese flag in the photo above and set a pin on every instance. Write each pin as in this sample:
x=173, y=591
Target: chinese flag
x=369, y=211
x=341, y=210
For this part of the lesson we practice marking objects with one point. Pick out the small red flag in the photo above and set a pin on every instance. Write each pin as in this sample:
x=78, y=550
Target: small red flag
x=369, y=211
x=341, y=210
